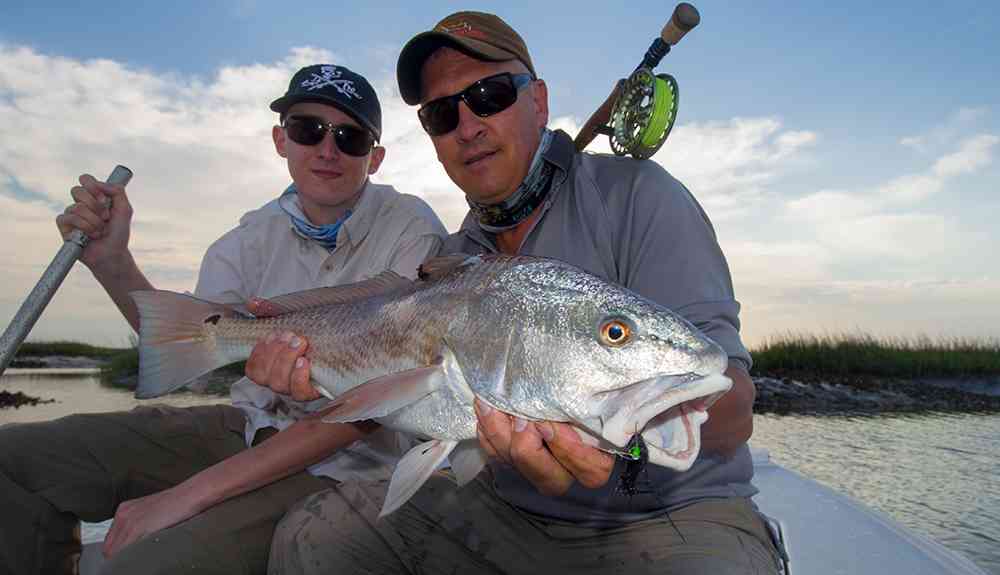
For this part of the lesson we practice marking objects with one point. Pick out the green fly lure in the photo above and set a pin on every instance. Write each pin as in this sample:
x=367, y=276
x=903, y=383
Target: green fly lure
x=636, y=456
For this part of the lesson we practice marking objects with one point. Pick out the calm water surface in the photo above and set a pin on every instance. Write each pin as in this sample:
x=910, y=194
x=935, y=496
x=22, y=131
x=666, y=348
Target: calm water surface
x=937, y=474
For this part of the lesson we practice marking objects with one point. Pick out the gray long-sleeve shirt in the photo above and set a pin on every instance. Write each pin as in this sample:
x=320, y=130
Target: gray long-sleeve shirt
x=631, y=222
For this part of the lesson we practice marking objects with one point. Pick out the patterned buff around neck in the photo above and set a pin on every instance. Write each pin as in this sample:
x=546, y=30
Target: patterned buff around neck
x=529, y=195
x=325, y=235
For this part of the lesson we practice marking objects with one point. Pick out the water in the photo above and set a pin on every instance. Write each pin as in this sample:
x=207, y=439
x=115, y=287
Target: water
x=76, y=391
x=937, y=474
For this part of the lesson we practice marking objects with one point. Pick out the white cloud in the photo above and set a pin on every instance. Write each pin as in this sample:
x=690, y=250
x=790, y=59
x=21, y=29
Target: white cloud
x=889, y=220
x=945, y=133
x=973, y=154
x=202, y=155
x=730, y=164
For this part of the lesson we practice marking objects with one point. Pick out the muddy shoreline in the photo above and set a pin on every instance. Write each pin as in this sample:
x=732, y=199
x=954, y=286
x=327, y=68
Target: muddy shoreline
x=815, y=394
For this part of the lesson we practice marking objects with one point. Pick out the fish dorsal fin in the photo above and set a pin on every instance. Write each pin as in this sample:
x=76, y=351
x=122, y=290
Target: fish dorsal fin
x=436, y=268
x=385, y=282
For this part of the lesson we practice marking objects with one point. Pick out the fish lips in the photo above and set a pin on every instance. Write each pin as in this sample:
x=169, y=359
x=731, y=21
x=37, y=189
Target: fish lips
x=669, y=411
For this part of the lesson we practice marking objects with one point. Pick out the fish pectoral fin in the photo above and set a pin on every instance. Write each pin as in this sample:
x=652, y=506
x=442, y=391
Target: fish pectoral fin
x=467, y=460
x=385, y=394
x=413, y=470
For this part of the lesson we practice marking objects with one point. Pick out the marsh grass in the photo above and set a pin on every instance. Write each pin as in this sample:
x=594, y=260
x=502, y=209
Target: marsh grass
x=864, y=354
x=831, y=355
x=67, y=349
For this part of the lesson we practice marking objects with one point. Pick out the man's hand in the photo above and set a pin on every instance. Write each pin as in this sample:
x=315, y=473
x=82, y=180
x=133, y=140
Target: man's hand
x=137, y=518
x=278, y=362
x=107, y=228
x=549, y=454
x=730, y=419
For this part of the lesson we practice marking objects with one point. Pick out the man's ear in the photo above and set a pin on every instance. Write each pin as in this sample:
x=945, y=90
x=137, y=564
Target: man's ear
x=278, y=135
x=540, y=95
x=378, y=154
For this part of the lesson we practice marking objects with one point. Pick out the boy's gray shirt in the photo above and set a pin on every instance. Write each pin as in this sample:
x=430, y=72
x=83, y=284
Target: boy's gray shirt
x=631, y=222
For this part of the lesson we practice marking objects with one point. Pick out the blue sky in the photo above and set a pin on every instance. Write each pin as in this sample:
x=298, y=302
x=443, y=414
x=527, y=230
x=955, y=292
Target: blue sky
x=846, y=151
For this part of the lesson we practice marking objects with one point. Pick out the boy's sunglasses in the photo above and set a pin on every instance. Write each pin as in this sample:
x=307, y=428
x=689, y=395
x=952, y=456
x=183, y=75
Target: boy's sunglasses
x=310, y=130
x=486, y=97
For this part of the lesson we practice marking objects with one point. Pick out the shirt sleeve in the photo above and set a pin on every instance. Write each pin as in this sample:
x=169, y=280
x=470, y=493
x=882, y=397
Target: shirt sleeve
x=412, y=252
x=220, y=278
x=421, y=238
x=670, y=254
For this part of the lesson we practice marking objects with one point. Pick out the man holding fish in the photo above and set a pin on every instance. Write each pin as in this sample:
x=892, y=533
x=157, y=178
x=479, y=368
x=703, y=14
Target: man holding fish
x=201, y=489
x=556, y=498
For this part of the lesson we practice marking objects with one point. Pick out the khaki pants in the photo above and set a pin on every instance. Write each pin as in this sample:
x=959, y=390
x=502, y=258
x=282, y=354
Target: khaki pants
x=470, y=530
x=52, y=474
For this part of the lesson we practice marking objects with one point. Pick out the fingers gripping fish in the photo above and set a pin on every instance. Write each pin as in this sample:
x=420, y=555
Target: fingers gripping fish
x=533, y=337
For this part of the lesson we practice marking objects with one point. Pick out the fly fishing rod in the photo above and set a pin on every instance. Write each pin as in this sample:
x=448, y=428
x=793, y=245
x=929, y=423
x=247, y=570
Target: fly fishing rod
x=639, y=113
x=46, y=287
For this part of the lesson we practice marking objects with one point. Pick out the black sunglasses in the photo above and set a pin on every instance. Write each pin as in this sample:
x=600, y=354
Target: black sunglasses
x=310, y=130
x=486, y=97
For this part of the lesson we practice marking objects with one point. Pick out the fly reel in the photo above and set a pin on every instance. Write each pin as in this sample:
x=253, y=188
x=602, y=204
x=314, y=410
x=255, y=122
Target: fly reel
x=643, y=114
x=638, y=114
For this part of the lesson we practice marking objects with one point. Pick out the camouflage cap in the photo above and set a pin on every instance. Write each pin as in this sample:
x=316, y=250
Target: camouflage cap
x=478, y=34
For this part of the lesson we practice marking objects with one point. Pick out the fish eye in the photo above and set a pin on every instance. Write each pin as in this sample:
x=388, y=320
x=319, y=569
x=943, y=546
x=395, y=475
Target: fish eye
x=615, y=332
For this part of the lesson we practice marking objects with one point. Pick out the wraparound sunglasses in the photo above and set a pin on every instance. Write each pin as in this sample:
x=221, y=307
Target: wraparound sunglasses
x=486, y=97
x=310, y=130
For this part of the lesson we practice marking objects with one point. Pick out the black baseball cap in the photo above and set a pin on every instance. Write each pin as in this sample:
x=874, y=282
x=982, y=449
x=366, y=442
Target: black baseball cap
x=338, y=87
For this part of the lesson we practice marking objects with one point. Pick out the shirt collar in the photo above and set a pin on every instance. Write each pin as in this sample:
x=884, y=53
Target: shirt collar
x=560, y=154
x=355, y=228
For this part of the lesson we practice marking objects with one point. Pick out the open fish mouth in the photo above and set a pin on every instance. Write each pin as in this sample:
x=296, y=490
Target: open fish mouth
x=668, y=417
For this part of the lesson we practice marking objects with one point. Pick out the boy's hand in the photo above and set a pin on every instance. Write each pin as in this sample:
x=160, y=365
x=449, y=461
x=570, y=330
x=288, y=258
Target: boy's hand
x=279, y=363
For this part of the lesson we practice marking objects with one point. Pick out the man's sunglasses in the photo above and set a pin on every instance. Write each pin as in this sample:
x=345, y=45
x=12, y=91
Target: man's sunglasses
x=486, y=97
x=310, y=130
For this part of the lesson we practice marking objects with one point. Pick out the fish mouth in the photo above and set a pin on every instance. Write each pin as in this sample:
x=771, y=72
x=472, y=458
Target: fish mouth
x=668, y=411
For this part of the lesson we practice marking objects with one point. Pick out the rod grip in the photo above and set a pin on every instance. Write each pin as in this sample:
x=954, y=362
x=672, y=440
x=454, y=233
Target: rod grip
x=683, y=20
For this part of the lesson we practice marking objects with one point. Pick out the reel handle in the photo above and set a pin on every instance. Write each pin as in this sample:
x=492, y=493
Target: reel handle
x=682, y=21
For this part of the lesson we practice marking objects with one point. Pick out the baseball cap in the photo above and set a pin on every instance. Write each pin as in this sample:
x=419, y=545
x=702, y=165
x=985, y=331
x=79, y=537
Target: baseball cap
x=478, y=34
x=338, y=87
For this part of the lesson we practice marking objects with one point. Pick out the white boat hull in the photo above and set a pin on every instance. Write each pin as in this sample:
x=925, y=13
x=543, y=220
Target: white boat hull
x=825, y=532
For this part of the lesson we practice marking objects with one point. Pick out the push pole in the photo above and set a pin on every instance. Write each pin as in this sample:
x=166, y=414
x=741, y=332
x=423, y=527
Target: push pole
x=50, y=281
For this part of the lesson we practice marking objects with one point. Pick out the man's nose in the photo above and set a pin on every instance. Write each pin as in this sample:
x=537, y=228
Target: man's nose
x=327, y=147
x=470, y=126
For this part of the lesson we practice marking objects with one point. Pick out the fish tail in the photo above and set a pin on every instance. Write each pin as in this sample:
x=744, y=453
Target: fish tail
x=176, y=344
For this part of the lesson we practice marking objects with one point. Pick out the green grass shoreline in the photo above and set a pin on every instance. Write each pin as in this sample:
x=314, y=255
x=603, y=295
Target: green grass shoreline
x=807, y=357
